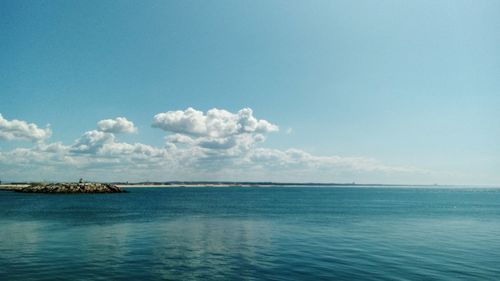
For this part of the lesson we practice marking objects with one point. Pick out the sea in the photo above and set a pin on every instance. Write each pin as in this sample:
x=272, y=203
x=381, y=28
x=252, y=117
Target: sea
x=253, y=233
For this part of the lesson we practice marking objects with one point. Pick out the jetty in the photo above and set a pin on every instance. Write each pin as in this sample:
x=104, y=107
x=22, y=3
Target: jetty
x=70, y=188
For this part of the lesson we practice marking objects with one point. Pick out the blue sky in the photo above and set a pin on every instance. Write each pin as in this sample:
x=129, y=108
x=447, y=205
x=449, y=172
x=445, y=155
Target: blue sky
x=369, y=91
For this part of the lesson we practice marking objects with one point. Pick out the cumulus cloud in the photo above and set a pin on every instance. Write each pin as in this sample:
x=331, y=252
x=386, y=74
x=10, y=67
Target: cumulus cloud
x=92, y=141
x=179, y=138
x=217, y=144
x=101, y=145
x=215, y=133
x=216, y=123
x=21, y=130
x=118, y=125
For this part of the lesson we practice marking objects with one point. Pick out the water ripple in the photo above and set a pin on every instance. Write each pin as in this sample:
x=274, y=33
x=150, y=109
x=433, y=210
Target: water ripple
x=252, y=234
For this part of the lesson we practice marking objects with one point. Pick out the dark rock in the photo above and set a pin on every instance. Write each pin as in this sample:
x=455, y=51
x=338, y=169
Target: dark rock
x=71, y=188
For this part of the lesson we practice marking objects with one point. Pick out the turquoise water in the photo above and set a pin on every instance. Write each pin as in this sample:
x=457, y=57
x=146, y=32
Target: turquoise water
x=283, y=233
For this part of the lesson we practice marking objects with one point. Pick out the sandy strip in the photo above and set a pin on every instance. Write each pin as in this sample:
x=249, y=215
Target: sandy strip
x=12, y=186
x=182, y=185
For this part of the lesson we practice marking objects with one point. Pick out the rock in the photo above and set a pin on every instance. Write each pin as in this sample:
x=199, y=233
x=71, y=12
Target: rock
x=71, y=188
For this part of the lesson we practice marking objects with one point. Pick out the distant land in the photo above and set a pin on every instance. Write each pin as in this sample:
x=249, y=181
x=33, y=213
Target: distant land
x=6, y=185
x=243, y=184
x=17, y=186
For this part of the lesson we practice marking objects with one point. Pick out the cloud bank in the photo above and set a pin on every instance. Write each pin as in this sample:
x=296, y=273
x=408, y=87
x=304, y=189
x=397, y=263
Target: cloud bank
x=212, y=145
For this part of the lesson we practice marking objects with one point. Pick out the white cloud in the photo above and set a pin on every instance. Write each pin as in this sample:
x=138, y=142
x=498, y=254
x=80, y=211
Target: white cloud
x=179, y=138
x=92, y=141
x=216, y=145
x=216, y=123
x=118, y=125
x=296, y=158
x=215, y=134
x=21, y=130
x=190, y=121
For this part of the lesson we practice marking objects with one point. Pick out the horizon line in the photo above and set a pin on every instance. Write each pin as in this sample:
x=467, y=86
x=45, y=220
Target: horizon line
x=257, y=183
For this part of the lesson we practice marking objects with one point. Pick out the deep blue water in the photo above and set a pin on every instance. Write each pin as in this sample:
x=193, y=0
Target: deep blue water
x=283, y=233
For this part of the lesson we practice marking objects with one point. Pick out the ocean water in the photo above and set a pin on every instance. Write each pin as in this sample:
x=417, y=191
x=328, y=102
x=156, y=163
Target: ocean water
x=275, y=233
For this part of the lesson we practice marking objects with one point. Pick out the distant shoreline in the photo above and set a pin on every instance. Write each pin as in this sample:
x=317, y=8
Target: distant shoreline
x=13, y=186
x=303, y=185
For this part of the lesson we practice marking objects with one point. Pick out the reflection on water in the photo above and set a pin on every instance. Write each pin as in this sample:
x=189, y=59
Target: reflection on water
x=252, y=234
x=180, y=248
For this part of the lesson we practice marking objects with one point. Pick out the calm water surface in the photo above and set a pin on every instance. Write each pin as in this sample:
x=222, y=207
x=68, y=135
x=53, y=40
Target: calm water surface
x=285, y=233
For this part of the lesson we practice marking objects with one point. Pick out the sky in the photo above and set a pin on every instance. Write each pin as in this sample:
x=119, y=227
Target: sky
x=294, y=91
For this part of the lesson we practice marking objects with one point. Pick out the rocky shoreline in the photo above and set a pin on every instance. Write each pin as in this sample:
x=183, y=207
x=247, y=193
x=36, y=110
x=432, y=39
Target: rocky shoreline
x=70, y=188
